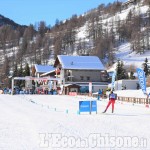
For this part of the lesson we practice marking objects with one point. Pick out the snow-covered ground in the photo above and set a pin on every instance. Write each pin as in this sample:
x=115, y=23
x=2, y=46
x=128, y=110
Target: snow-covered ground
x=125, y=54
x=134, y=93
x=41, y=122
x=129, y=57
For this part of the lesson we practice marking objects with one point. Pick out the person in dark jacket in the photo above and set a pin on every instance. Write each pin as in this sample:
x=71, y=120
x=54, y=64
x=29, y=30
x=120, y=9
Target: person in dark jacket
x=100, y=92
x=112, y=98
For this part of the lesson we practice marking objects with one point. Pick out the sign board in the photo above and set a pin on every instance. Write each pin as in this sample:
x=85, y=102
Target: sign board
x=87, y=106
x=94, y=106
x=84, y=106
x=36, y=78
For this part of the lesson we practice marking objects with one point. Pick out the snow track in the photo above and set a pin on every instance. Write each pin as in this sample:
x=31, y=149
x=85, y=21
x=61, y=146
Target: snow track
x=24, y=118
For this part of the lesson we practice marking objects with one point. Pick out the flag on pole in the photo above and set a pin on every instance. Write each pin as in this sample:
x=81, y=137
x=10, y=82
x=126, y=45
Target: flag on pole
x=142, y=79
x=113, y=80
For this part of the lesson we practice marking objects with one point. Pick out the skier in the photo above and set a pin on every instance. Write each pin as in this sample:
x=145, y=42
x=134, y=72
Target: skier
x=112, y=98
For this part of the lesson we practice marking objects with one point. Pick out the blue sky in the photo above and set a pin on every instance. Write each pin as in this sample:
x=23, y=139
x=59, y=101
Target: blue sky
x=27, y=12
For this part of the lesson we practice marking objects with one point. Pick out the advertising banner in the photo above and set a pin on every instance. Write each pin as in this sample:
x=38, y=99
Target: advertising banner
x=113, y=80
x=87, y=106
x=84, y=106
x=142, y=79
x=94, y=106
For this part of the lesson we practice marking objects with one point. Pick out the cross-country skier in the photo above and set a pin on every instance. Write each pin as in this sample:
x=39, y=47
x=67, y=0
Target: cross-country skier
x=112, y=98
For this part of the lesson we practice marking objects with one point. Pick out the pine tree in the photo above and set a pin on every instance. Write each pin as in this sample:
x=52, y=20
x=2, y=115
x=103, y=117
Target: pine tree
x=15, y=72
x=5, y=68
x=118, y=70
x=33, y=71
x=20, y=71
x=121, y=72
x=146, y=68
x=20, y=74
x=27, y=70
x=132, y=75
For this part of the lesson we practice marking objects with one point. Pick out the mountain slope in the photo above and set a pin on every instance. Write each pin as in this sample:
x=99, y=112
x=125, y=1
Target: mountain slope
x=111, y=32
x=7, y=21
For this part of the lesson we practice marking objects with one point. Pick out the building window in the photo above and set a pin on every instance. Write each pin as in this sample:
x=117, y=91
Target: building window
x=88, y=78
x=81, y=77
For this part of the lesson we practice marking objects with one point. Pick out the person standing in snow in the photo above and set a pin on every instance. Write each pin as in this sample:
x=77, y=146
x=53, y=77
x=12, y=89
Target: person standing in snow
x=112, y=98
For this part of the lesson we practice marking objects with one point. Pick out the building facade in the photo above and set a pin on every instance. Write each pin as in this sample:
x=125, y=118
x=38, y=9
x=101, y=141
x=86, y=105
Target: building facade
x=81, y=70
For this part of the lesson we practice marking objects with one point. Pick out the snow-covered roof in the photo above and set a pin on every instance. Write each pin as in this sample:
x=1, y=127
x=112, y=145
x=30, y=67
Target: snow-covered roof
x=81, y=62
x=66, y=85
x=47, y=73
x=43, y=68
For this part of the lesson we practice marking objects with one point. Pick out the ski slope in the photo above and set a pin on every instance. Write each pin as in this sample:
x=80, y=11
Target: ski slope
x=36, y=122
x=129, y=57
